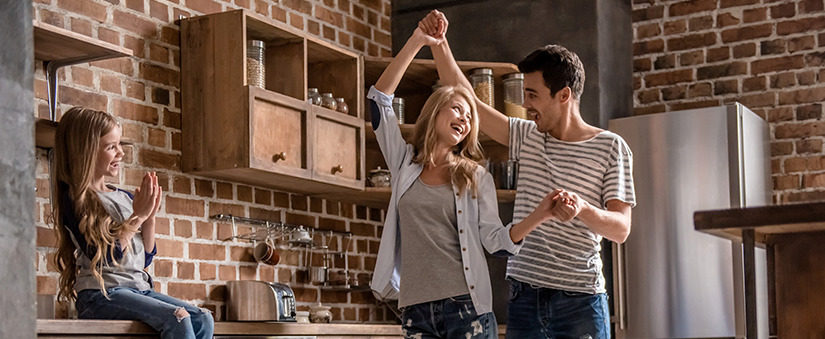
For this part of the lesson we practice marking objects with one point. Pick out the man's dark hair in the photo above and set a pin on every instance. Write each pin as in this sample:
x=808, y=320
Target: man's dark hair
x=559, y=67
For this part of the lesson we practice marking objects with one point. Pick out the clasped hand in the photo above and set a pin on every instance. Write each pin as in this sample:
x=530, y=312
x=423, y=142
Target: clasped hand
x=147, y=198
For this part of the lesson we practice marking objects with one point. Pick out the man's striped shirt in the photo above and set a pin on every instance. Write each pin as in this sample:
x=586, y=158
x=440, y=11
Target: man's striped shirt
x=565, y=255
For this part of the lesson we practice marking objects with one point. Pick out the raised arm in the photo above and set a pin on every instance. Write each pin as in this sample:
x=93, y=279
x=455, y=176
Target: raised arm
x=493, y=122
x=389, y=80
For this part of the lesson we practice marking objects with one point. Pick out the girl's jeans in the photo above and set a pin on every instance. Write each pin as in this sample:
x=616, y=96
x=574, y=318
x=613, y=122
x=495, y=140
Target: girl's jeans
x=448, y=318
x=549, y=313
x=153, y=308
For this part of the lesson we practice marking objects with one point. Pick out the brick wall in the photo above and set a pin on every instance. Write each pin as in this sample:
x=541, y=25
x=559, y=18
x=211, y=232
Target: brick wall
x=767, y=54
x=193, y=262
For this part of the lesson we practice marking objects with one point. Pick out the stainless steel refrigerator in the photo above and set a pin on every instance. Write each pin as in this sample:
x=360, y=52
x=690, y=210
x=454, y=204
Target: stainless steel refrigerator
x=671, y=281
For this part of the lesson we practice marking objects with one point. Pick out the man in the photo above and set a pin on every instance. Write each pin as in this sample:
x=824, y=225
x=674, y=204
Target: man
x=557, y=287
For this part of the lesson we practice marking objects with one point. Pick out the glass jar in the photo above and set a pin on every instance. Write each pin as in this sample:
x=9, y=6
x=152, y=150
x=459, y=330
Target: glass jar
x=341, y=106
x=313, y=97
x=327, y=101
x=398, y=108
x=255, y=70
x=380, y=177
x=514, y=95
x=482, y=81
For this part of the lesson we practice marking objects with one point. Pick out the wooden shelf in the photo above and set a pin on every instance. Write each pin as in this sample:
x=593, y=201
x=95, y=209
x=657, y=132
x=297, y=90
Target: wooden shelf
x=421, y=72
x=44, y=130
x=764, y=220
x=52, y=43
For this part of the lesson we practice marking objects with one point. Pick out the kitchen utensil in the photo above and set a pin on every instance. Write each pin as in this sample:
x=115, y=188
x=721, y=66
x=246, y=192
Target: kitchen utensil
x=380, y=177
x=302, y=317
x=320, y=314
x=266, y=253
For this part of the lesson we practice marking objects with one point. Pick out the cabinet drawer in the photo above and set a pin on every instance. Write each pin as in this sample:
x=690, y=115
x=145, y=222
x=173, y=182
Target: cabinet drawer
x=337, y=148
x=278, y=135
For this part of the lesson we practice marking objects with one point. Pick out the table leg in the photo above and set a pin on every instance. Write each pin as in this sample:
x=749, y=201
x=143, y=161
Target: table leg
x=749, y=261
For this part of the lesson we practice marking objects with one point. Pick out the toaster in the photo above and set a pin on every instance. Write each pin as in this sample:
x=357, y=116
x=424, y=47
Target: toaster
x=253, y=300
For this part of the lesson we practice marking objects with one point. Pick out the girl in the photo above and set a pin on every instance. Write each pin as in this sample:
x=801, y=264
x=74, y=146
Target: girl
x=442, y=211
x=104, y=233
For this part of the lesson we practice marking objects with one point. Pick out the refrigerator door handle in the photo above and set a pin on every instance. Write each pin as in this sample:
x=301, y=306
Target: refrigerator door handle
x=619, y=278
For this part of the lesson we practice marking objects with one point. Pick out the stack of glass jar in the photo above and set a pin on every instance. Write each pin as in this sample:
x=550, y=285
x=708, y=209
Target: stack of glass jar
x=255, y=71
x=326, y=100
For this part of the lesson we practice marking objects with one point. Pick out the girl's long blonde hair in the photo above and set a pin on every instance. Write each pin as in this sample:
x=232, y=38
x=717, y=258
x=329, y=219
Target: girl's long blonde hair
x=75, y=154
x=464, y=158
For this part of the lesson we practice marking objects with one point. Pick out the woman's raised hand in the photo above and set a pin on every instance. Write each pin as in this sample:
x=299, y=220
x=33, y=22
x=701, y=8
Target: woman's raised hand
x=435, y=25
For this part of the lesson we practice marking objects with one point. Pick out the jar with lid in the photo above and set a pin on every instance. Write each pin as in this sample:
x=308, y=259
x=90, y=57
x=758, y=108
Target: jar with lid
x=482, y=81
x=380, y=177
x=341, y=106
x=398, y=108
x=255, y=70
x=313, y=97
x=514, y=95
x=327, y=101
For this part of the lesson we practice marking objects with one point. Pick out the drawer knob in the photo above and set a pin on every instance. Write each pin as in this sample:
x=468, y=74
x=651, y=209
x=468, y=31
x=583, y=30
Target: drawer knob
x=279, y=156
x=337, y=169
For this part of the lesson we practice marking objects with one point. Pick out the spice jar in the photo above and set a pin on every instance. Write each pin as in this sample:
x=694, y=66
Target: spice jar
x=380, y=177
x=313, y=97
x=398, y=108
x=341, y=106
x=482, y=81
x=327, y=101
x=514, y=95
x=255, y=71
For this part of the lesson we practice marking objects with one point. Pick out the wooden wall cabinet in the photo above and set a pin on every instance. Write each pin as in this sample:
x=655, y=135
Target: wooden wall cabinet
x=269, y=136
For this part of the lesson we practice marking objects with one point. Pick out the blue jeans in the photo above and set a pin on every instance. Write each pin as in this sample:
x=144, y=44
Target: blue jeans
x=153, y=308
x=448, y=318
x=549, y=313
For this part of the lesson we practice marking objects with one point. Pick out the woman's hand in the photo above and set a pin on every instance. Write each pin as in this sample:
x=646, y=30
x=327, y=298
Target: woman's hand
x=435, y=25
x=567, y=205
x=424, y=38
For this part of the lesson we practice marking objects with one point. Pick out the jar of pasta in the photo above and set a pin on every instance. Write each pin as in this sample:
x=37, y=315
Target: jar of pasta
x=482, y=81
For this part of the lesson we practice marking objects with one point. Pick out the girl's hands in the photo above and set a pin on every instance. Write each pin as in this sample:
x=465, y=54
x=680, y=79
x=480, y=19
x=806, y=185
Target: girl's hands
x=147, y=198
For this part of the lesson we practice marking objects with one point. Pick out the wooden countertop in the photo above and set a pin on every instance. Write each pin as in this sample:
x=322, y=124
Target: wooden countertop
x=764, y=220
x=79, y=328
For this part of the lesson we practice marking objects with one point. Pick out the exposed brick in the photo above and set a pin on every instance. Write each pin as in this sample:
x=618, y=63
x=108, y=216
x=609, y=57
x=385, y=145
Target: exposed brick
x=808, y=95
x=746, y=33
x=186, y=270
x=280, y=199
x=299, y=202
x=82, y=76
x=744, y=50
x=813, y=180
x=332, y=207
x=691, y=41
x=183, y=206
x=718, y=54
x=809, y=146
x=204, y=6
x=783, y=10
x=159, y=10
x=648, y=96
x=135, y=90
x=675, y=27
x=162, y=75
x=799, y=130
x=135, y=5
x=333, y=18
x=806, y=196
x=171, y=119
x=73, y=97
x=665, y=62
x=780, y=114
x=242, y=3
x=296, y=20
x=766, y=99
x=648, y=31
x=182, y=185
x=51, y=18
x=362, y=229
x=639, y=48
x=263, y=196
x=204, y=230
x=204, y=188
x=806, y=78
x=694, y=104
x=265, y=214
x=221, y=208
x=649, y=13
x=800, y=26
x=816, y=59
x=720, y=71
x=163, y=268
x=300, y=219
x=155, y=159
x=82, y=26
x=361, y=212
x=668, y=78
x=641, y=64
x=136, y=112
x=726, y=19
x=754, y=15
x=329, y=32
x=332, y=224
x=156, y=137
x=187, y=291
x=783, y=80
x=801, y=44
x=316, y=205
x=344, y=39
x=723, y=87
x=754, y=84
x=207, y=271
x=224, y=190
x=786, y=182
x=810, y=6
x=700, y=23
x=169, y=248
x=207, y=252
x=88, y=9
x=691, y=7
x=134, y=24
x=736, y=3
x=244, y=193
x=772, y=47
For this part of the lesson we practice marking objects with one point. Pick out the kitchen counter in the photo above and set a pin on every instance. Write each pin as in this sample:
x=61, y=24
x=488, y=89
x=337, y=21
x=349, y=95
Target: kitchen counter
x=70, y=328
x=793, y=236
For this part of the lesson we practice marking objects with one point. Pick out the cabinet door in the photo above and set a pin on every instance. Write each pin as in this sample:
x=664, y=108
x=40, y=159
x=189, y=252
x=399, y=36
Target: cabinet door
x=338, y=148
x=279, y=133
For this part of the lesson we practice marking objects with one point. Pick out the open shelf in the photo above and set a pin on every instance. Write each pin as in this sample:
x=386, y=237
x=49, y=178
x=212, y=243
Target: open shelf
x=52, y=43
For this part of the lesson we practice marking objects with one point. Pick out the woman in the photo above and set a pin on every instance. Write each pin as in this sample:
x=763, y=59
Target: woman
x=442, y=212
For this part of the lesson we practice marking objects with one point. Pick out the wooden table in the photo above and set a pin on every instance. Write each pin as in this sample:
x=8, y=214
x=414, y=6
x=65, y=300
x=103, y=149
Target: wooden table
x=794, y=237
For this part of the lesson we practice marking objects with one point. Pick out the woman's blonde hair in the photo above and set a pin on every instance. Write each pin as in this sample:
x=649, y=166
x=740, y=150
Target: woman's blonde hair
x=466, y=156
x=77, y=141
